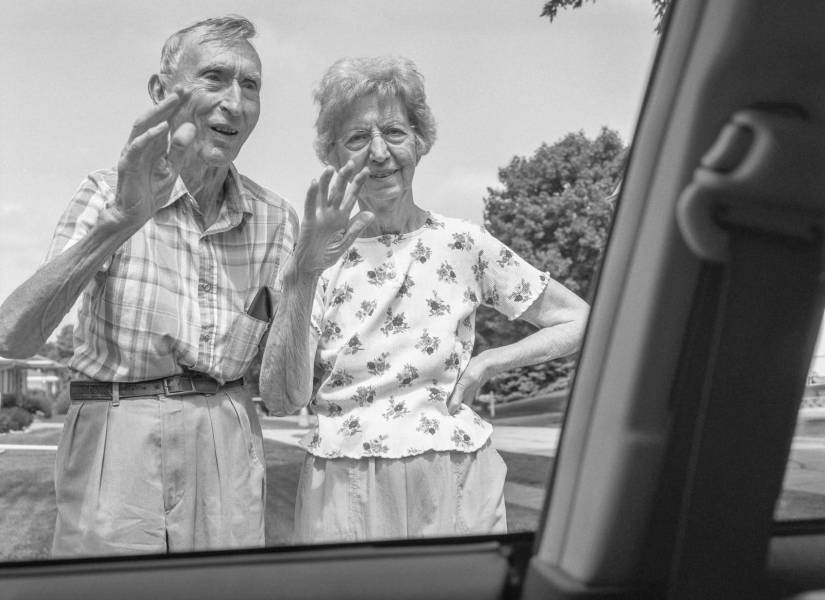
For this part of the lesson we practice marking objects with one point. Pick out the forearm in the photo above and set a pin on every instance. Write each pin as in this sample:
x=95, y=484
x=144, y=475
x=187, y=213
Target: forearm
x=327, y=231
x=557, y=341
x=31, y=313
x=286, y=369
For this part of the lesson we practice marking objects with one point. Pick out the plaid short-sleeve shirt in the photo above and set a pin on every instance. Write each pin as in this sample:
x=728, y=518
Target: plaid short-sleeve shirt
x=175, y=297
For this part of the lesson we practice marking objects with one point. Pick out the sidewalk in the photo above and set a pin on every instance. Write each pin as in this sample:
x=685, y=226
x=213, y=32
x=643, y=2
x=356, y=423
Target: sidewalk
x=541, y=441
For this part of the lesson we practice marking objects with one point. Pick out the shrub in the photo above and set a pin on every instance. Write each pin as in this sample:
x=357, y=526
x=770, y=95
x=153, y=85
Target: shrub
x=37, y=402
x=9, y=400
x=525, y=381
x=14, y=419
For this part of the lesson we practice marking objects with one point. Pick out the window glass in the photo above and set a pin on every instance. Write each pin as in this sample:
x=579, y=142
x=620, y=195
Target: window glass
x=534, y=120
x=804, y=486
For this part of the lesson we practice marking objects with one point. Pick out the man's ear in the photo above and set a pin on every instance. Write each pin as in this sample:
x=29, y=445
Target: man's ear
x=156, y=90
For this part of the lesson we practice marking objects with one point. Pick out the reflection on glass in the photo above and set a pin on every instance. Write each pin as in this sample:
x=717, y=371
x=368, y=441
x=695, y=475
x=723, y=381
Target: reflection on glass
x=803, y=490
x=550, y=208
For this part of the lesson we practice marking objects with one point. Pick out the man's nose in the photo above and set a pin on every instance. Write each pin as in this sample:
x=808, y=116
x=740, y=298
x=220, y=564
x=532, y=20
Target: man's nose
x=231, y=100
x=378, y=148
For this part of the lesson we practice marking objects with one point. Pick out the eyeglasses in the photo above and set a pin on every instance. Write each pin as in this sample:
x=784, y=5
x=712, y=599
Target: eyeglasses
x=393, y=135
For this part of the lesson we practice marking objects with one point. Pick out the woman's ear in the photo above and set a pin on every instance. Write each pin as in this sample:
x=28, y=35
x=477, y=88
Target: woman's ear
x=156, y=90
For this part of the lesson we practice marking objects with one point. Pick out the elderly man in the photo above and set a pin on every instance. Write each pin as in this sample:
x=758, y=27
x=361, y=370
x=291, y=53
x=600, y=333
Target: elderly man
x=176, y=256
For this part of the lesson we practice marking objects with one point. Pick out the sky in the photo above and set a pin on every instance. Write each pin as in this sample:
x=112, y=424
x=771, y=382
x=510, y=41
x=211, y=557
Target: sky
x=500, y=81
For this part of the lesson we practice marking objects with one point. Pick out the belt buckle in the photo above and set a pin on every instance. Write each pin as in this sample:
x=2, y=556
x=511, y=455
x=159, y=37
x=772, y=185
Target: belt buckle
x=213, y=387
x=169, y=392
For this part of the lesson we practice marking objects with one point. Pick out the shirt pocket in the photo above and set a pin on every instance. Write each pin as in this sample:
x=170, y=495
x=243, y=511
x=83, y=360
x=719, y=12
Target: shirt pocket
x=242, y=344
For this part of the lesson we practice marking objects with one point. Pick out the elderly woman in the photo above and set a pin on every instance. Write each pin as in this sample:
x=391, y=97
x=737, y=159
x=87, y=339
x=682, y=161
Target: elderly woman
x=381, y=307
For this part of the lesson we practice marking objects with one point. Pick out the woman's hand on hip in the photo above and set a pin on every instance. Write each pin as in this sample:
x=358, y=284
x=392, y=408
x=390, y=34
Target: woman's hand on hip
x=327, y=230
x=468, y=385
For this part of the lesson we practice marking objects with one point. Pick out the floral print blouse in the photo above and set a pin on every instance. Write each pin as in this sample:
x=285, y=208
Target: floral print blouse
x=395, y=318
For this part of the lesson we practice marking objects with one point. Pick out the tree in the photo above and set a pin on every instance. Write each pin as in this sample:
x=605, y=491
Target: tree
x=551, y=9
x=554, y=210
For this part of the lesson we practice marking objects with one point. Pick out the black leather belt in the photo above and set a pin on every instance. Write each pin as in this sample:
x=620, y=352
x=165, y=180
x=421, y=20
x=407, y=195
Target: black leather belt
x=175, y=385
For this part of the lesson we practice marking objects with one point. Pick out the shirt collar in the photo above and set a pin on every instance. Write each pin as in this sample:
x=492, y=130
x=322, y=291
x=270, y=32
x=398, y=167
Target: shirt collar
x=238, y=198
x=236, y=203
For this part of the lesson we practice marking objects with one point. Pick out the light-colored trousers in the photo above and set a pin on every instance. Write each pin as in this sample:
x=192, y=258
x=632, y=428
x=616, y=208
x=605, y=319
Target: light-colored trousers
x=160, y=474
x=431, y=494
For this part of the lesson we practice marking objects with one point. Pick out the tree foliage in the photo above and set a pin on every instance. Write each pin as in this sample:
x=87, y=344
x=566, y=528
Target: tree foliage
x=554, y=210
x=552, y=7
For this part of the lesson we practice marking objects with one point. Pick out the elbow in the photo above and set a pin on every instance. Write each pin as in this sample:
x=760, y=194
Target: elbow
x=582, y=316
x=280, y=402
x=283, y=412
x=582, y=319
x=276, y=407
x=571, y=331
x=281, y=409
x=283, y=392
x=14, y=345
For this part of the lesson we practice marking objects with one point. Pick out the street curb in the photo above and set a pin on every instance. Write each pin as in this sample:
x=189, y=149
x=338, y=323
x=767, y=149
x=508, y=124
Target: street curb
x=815, y=413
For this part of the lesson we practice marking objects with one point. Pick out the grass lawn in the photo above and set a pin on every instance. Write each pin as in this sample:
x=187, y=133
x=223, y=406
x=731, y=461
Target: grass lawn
x=27, y=508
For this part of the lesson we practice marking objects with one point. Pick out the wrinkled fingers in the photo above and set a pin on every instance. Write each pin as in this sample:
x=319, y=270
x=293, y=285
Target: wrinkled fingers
x=150, y=143
x=162, y=111
x=339, y=185
x=324, y=182
x=311, y=201
x=353, y=189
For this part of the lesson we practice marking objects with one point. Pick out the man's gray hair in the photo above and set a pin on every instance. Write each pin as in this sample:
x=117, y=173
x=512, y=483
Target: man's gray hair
x=227, y=30
x=350, y=79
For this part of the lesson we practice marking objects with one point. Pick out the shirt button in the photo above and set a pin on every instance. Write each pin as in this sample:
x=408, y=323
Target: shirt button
x=205, y=286
x=205, y=337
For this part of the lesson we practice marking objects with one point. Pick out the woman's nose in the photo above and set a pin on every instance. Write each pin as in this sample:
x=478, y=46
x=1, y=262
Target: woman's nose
x=378, y=149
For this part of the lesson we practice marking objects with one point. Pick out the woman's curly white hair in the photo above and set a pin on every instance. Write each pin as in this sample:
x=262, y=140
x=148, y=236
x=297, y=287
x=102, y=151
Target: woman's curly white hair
x=350, y=79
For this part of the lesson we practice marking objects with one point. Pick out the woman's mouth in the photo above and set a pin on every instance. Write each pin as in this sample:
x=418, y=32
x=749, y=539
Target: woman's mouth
x=383, y=174
x=224, y=130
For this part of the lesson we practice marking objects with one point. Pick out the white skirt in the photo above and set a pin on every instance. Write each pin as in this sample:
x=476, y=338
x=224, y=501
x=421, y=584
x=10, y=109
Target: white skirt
x=428, y=495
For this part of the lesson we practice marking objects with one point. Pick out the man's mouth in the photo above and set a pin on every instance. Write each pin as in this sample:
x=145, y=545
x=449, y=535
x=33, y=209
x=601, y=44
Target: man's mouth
x=224, y=129
x=383, y=174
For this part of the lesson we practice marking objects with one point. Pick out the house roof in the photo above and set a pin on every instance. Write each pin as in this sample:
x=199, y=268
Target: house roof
x=35, y=362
